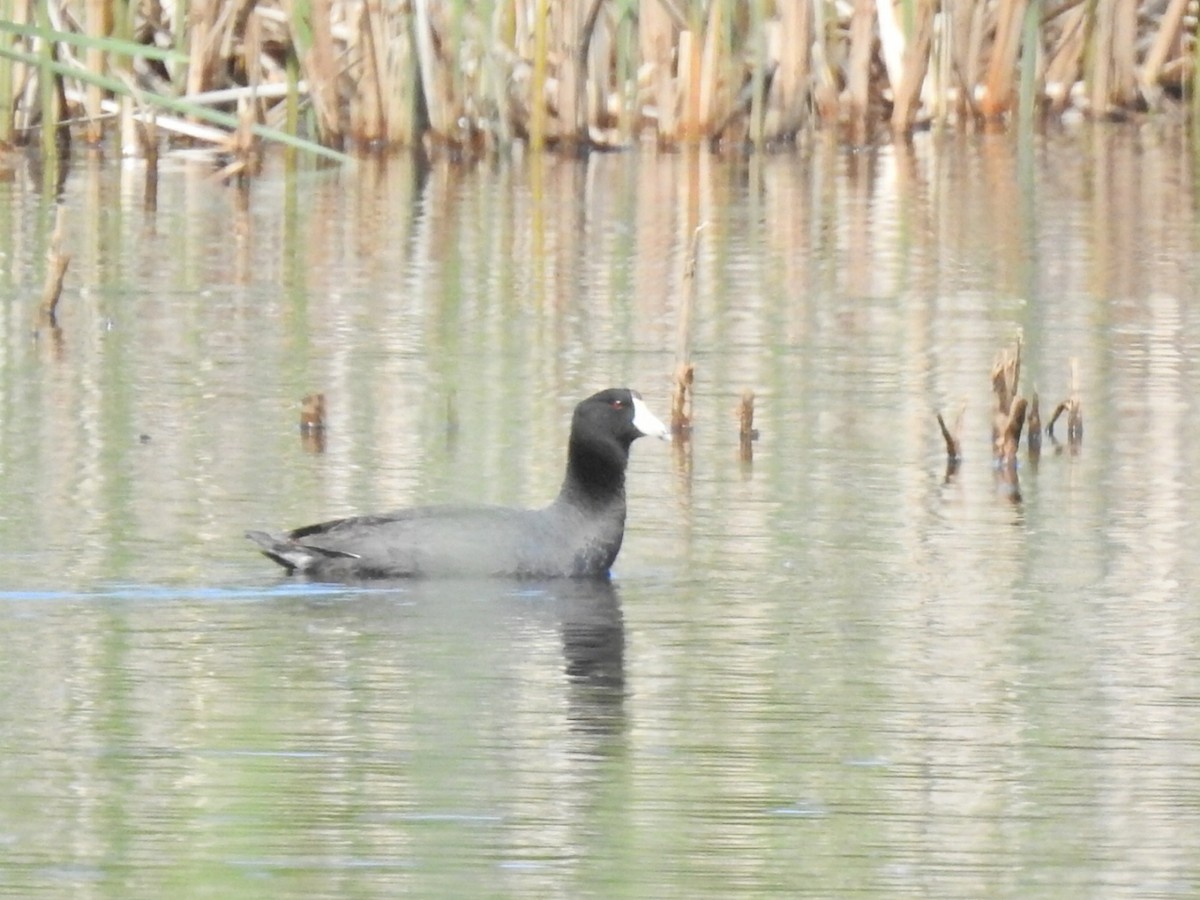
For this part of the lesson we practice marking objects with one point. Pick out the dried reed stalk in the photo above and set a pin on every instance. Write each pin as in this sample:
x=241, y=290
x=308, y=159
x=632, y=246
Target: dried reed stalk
x=567, y=71
x=322, y=73
x=203, y=44
x=1065, y=60
x=403, y=78
x=493, y=82
x=997, y=99
x=973, y=24
x=1124, y=54
x=915, y=65
x=243, y=146
x=681, y=399
x=1006, y=378
x=537, y=87
x=251, y=33
x=858, y=77
x=98, y=23
x=746, y=415
x=1113, y=77
x=1101, y=72
x=762, y=73
x=824, y=49
x=8, y=70
x=190, y=130
x=712, y=63
x=941, y=77
x=570, y=51
x=892, y=41
x=368, y=123
x=596, y=54
x=1194, y=59
x=656, y=43
x=291, y=103
x=1164, y=39
x=790, y=85
x=689, y=85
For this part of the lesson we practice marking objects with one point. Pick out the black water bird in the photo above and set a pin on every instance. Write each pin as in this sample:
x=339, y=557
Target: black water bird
x=578, y=535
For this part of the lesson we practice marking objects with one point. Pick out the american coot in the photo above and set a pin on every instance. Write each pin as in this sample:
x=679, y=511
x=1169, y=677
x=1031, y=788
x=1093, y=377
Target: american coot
x=578, y=535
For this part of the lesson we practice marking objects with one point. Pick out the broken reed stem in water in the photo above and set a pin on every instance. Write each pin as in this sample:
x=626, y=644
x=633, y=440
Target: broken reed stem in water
x=681, y=399
x=1058, y=411
x=1073, y=407
x=1011, y=414
x=1006, y=379
x=312, y=423
x=1010, y=438
x=1075, y=413
x=747, y=433
x=953, y=436
x=56, y=269
x=312, y=412
x=1034, y=430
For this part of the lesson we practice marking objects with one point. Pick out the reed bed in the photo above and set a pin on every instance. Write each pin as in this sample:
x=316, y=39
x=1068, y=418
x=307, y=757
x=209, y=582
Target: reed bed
x=473, y=77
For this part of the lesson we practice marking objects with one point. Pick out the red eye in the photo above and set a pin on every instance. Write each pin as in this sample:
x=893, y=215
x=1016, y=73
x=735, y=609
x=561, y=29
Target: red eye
x=618, y=404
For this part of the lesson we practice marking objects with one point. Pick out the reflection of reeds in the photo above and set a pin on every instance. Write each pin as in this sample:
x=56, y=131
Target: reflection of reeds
x=57, y=260
x=685, y=370
x=473, y=77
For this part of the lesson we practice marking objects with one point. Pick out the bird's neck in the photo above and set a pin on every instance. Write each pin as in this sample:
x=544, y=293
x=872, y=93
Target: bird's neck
x=595, y=476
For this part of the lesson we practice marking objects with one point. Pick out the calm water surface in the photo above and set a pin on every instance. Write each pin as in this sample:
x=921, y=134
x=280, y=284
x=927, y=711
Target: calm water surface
x=828, y=671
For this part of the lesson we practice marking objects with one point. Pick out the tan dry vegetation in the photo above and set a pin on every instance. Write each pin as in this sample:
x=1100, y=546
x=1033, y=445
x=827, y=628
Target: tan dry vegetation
x=476, y=77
